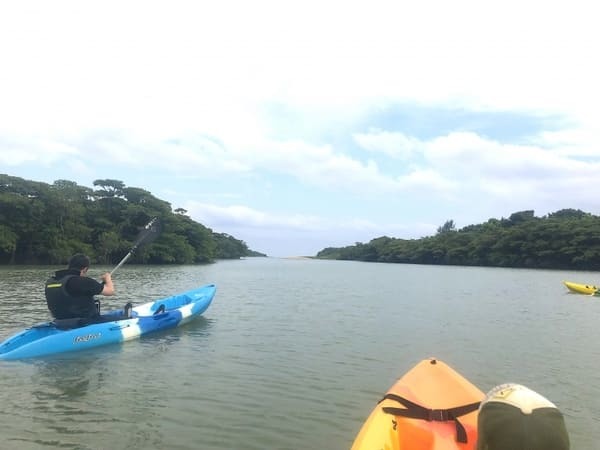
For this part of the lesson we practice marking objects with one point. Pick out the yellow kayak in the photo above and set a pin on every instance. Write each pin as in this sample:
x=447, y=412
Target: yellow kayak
x=581, y=288
x=432, y=407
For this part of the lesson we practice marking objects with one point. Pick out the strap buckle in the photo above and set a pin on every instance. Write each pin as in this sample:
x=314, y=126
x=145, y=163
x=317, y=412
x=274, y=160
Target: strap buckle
x=438, y=415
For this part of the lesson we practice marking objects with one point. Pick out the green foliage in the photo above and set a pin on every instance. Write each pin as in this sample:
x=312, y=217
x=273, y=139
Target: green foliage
x=567, y=239
x=46, y=224
x=447, y=227
x=228, y=246
x=8, y=243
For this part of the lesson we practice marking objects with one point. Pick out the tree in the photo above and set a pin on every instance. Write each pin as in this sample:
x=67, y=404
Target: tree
x=521, y=216
x=8, y=244
x=569, y=214
x=107, y=244
x=109, y=188
x=568, y=239
x=45, y=224
x=447, y=227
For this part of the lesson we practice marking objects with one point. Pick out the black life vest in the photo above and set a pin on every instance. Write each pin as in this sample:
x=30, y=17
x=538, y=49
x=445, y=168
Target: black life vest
x=63, y=305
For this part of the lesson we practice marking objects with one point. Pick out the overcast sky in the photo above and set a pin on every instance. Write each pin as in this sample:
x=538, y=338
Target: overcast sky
x=296, y=126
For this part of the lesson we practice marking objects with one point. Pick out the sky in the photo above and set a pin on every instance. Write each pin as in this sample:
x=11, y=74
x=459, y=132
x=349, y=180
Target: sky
x=300, y=125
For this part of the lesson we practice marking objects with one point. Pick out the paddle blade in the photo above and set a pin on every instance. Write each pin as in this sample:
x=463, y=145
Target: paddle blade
x=148, y=234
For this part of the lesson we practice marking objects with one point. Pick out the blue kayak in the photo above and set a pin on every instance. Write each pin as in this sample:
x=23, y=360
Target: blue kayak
x=49, y=339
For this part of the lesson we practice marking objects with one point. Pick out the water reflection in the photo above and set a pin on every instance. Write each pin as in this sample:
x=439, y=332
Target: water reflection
x=22, y=299
x=72, y=375
x=49, y=402
x=163, y=340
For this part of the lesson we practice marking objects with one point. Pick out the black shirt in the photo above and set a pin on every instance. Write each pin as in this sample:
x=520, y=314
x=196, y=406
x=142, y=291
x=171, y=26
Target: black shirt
x=83, y=286
x=70, y=295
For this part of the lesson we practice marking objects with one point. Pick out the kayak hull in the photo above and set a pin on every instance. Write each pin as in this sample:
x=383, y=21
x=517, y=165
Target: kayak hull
x=46, y=339
x=581, y=288
x=433, y=385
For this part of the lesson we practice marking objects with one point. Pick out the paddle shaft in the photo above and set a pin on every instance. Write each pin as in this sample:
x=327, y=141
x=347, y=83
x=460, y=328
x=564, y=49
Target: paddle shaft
x=147, y=235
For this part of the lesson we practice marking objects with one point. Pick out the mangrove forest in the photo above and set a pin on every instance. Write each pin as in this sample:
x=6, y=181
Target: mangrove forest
x=568, y=239
x=44, y=223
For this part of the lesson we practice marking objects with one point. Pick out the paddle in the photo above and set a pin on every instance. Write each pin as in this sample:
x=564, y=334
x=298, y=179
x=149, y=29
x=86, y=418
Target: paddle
x=148, y=234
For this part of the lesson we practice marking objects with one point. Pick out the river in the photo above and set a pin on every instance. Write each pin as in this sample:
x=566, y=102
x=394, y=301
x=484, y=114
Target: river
x=294, y=353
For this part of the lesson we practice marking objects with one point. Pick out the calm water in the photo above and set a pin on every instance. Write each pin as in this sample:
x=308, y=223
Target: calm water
x=294, y=354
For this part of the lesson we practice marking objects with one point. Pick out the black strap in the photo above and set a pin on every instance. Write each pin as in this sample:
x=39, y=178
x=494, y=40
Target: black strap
x=414, y=411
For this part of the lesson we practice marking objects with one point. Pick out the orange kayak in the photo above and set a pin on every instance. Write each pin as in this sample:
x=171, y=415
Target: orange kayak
x=432, y=407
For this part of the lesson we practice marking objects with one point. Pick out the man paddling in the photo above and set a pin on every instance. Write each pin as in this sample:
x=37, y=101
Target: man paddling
x=70, y=293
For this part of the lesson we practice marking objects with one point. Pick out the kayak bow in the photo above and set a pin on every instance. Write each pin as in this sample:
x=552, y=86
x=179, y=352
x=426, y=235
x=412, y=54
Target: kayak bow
x=580, y=288
x=431, y=407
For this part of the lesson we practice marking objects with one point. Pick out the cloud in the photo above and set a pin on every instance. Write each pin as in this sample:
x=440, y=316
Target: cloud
x=280, y=234
x=193, y=64
x=241, y=215
x=394, y=144
x=316, y=118
x=468, y=154
x=17, y=149
x=320, y=166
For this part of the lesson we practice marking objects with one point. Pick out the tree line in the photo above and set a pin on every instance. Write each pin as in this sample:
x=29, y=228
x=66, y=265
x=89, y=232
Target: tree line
x=568, y=239
x=43, y=223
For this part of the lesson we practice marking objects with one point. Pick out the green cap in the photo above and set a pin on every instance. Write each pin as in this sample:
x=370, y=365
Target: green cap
x=513, y=417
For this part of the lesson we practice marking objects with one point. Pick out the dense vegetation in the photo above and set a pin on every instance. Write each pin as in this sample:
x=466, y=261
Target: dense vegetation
x=45, y=224
x=567, y=239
